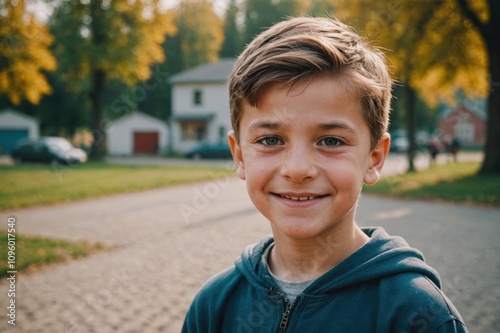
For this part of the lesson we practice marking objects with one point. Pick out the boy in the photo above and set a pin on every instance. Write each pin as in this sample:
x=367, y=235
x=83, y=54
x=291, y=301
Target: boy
x=309, y=107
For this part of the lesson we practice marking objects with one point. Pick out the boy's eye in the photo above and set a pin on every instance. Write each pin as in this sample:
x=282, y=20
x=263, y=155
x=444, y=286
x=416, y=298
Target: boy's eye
x=330, y=142
x=270, y=141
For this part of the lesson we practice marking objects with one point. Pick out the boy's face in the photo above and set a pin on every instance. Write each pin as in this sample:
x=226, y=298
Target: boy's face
x=305, y=153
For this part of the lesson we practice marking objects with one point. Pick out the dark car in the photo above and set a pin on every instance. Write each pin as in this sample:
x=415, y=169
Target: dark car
x=48, y=150
x=210, y=150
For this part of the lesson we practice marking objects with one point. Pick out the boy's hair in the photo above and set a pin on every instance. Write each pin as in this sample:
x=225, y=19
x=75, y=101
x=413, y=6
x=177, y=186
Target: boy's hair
x=303, y=48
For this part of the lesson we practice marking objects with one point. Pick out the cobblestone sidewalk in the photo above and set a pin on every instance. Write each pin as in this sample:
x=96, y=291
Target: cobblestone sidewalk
x=165, y=243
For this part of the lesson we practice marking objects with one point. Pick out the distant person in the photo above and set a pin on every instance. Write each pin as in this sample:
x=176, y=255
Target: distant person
x=455, y=148
x=433, y=151
x=446, y=144
x=309, y=103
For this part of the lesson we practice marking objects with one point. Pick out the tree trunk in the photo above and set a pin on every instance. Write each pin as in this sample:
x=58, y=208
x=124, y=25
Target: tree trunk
x=491, y=162
x=98, y=79
x=97, y=99
x=410, y=124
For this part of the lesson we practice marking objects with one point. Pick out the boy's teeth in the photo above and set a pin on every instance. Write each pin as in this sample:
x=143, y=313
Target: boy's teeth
x=297, y=198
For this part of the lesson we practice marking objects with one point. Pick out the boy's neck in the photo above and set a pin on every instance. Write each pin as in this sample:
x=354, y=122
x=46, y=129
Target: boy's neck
x=302, y=260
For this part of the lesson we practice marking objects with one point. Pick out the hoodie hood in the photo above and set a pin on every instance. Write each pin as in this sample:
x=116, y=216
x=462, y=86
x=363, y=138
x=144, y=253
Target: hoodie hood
x=381, y=256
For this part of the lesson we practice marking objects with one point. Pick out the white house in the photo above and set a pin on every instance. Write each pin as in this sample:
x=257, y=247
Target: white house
x=200, y=106
x=15, y=126
x=137, y=133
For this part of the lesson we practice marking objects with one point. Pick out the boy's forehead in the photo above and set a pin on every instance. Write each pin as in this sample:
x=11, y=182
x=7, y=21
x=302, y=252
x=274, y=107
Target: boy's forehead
x=338, y=83
x=282, y=104
x=271, y=98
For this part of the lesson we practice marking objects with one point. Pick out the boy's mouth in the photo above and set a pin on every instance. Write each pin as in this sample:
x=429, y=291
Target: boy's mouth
x=298, y=198
x=302, y=197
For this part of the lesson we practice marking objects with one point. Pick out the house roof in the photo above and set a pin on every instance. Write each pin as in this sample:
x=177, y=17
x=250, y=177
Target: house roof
x=476, y=106
x=194, y=117
x=20, y=117
x=132, y=117
x=212, y=72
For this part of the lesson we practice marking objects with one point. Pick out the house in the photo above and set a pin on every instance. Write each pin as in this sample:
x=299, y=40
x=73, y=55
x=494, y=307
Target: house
x=137, y=133
x=200, y=106
x=467, y=122
x=15, y=126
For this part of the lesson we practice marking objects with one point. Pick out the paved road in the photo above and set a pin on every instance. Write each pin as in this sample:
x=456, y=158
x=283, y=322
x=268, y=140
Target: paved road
x=165, y=243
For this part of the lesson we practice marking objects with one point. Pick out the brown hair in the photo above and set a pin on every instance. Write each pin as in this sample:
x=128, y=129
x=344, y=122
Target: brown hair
x=302, y=48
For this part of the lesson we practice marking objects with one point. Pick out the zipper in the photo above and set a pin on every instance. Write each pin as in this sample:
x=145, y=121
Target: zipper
x=285, y=316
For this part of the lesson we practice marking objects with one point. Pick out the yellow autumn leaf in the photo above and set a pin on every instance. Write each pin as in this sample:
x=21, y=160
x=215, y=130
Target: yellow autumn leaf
x=25, y=54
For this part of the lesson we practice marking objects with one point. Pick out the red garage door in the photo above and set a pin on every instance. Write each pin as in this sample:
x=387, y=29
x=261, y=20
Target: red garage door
x=146, y=142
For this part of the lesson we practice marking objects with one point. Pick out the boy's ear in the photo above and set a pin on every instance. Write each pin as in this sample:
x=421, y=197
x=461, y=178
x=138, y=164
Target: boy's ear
x=237, y=154
x=377, y=159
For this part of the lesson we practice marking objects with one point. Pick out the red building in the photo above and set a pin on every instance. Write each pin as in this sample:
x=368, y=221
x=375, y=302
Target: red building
x=465, y=124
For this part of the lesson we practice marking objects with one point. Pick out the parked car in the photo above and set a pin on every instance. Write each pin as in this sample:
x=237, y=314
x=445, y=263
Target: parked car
x=48, y=150
x=400, y=143
x=210, y=150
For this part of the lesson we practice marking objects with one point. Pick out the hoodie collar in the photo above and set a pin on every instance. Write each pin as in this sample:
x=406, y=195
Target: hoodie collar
x=382, y=255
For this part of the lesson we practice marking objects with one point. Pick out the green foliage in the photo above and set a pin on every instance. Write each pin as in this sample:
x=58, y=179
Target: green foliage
x=199, y=33
x=100, y=40
x=261, y=14
x=232, y=45
x=454, y=182
x=198, y=38
x=426, y=117
x=122, y=38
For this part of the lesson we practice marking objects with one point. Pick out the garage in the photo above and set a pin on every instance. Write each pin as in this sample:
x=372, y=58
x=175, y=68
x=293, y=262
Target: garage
x=146, y=142
x=16, y=126
x=137, y=134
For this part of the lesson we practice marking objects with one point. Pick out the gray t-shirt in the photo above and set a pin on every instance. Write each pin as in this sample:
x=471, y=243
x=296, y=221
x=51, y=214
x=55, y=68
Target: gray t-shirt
x=291, y=289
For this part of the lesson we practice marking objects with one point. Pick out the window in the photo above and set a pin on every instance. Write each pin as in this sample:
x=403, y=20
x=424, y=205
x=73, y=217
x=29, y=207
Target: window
x=222, y=133
x=464, y=128
x=194, y=130
x=197, y=97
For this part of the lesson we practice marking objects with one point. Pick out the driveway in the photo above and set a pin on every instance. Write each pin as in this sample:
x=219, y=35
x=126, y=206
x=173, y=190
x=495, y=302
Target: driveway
x=163, y=244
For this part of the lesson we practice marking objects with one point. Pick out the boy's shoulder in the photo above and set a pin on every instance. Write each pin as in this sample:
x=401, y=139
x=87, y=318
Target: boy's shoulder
x=220, y=280
x=413, y=299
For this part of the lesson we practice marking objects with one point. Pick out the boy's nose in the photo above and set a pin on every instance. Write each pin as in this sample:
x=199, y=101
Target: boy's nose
x=298, y=165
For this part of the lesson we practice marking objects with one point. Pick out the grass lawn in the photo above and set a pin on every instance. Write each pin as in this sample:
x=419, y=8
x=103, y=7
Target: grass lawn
x=35, y=252
x=33, y=185
x=455, y=182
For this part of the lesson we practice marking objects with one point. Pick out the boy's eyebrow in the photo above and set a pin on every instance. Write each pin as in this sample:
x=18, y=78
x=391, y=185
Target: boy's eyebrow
x=336, y=125
x=268, y=124
x=264, y=124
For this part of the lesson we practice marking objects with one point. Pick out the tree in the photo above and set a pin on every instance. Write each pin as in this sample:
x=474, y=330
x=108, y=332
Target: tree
x=103, y=40
x=197, y=40
x=200, y=33
x=322, y=7
x=433, y=51
x=261, y=14
x=487, y=23
x=232, y=45
x=24, y=54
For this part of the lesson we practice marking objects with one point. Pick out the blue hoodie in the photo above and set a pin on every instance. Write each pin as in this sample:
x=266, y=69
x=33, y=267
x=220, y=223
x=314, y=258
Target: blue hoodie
x=383, y=287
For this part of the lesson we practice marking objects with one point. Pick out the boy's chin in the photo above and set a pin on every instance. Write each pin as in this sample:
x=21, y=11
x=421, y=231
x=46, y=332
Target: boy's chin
x=297, y=231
